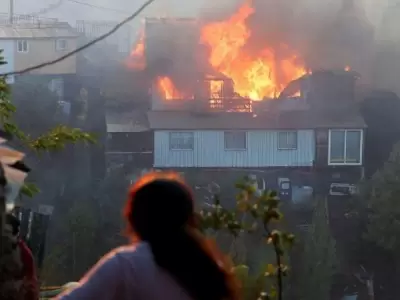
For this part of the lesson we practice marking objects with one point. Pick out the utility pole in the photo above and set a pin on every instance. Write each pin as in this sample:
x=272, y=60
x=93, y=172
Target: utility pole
x=11, y=11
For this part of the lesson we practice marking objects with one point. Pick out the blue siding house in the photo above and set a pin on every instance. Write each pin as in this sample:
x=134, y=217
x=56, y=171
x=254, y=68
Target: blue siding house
x=219, y=148
x=184, y=139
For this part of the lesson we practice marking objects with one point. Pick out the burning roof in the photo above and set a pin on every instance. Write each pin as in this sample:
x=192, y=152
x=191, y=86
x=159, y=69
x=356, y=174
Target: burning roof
x=179, y=52
x=227, y=63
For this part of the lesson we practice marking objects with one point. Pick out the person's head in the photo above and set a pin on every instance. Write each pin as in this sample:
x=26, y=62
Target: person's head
x=12, y=226
x=160, y=211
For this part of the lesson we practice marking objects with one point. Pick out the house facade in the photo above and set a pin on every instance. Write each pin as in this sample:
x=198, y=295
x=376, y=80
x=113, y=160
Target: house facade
x=33, y=41
x=227, y=148
x=30, y=44
x=299, y=139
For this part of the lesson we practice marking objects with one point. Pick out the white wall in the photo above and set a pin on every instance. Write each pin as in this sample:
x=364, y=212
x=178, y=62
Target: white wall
x=8, y=53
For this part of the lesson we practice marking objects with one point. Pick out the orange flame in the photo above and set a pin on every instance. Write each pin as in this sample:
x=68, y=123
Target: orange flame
x=253, y=77
x=167, y=88
x=137, y=57
x=347, y=68
x=216, y=89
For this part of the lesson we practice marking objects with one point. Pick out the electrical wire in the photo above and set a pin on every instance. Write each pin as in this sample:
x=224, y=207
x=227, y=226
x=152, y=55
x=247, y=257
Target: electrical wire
x=79, y=49
x=99, y=7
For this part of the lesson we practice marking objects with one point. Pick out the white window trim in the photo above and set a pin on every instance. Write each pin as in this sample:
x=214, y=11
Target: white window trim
x=61, y=49
x=345, y=142
x=27, y=46
x=177, y=132
x=237, y=149
x=286, y=132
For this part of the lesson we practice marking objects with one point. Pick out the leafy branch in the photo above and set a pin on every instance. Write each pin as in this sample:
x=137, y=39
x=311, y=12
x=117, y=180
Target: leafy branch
x=53, y=140
x=252, y=209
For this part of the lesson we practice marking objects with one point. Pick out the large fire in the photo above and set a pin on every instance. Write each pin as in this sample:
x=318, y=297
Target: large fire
x=167, y=88
x=137, y=59
x=257, y=76
x=254, y=76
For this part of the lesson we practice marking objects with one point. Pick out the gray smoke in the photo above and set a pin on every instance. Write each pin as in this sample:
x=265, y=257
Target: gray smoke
x=326, y=33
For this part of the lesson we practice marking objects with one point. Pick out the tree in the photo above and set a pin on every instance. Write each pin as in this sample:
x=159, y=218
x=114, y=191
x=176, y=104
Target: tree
x=74, y=247
x=52, y=140
x=381, y=193
x=254, y=214
x=317, y=260
x=75, y=243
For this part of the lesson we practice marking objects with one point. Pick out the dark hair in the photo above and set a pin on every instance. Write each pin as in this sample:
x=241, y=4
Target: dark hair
x=160, y=211
x=14, y=222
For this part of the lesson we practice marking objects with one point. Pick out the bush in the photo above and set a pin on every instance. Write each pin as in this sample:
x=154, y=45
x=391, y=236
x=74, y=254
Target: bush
x=254, y=214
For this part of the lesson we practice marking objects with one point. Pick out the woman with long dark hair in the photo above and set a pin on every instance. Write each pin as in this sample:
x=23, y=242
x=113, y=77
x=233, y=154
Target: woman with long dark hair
x=169, y=259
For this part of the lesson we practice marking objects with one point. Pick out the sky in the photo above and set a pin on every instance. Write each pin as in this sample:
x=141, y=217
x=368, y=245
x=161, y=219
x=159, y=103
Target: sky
x=71, y=11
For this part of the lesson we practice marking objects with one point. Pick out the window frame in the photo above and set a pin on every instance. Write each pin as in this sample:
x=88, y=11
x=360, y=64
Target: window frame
x=344, y=163
x=236, y=132
x=57, y=45
x=27, y=46
x=287, y=132
x=171, y=133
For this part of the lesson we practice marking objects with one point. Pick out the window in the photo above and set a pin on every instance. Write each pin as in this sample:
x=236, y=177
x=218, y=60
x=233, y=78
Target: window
x=235, y=140
x=61, y=45
x=287, y=140
x=181, y=141
x=22, y=46
x=345, y=147
x=56, y=85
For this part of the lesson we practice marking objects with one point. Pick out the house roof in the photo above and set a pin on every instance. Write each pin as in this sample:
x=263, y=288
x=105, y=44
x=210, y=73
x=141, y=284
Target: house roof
x=126, y=122
x=35, y=31
x=175, y=120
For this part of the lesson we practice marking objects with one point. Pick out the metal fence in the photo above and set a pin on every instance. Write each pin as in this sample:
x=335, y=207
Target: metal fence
x=33, y=230
x=25, y=19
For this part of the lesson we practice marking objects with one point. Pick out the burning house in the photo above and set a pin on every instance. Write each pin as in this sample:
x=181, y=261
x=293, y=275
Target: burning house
x=195, y=62
x=219, y=100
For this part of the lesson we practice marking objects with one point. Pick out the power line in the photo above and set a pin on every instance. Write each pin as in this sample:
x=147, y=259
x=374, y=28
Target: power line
x=98, y=7
x=79, y=49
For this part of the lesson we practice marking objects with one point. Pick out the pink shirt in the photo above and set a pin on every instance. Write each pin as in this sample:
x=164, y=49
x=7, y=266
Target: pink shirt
x=127, y=273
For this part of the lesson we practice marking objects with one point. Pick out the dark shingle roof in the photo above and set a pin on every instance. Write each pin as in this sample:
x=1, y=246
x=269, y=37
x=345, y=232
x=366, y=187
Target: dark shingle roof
x=171, y=120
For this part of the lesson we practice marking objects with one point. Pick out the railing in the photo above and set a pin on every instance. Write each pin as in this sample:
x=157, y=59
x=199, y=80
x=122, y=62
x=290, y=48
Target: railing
x=25, y=19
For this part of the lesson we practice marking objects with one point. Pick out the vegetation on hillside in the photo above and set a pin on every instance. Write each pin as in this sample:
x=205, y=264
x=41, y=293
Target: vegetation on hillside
x=382, y=209
x=53, y=139
x=317, y=261
x=255, y=213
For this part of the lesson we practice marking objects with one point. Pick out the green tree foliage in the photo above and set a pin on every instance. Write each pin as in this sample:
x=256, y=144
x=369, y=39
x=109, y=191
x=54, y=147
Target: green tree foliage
x=383, y=209
x=74, y=249
x=254, y=213
x=317, y=261
x=52, y=139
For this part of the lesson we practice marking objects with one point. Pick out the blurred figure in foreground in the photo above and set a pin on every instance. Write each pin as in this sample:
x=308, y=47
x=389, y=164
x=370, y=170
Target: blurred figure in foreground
x=29, y=289
x=169, y=259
